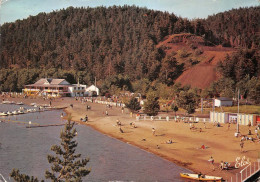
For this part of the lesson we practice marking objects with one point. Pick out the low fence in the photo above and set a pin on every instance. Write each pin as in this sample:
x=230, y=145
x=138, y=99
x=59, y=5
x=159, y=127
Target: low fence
x=171, y=118
x=152, y=118
x=246, y=173
x=117, y=104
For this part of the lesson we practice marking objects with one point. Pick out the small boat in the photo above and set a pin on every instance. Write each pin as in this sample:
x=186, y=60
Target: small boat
x=6, y=102
x=201, y=177
x=20, y=111
x=3, y=114
x=33, y=104
x=15, y=112
x=9, y=113
x=19, y=103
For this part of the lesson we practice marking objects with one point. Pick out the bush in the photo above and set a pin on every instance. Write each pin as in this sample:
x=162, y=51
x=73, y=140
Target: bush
x=198, y=52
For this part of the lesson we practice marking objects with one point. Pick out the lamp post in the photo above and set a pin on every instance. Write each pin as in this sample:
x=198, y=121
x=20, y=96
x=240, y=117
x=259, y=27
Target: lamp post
x=213, y=109
x=237, y=114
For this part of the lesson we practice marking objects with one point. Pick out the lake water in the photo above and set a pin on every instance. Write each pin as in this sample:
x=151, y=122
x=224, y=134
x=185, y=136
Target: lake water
x=110, y=159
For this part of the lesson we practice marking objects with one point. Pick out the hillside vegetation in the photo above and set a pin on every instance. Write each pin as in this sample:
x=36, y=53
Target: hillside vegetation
x=126, y=48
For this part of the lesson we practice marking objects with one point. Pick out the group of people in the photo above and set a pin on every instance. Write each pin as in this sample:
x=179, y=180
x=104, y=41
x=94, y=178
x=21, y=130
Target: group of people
x=119, y=124
x=224, y=165
x=85, y=119
x=169, y=142
x=133, y=125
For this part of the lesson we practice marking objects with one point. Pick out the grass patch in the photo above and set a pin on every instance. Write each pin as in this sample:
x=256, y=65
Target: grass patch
x=247, y=109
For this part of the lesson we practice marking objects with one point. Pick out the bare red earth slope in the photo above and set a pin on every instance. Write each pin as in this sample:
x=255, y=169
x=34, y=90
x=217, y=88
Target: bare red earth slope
x=202, y=74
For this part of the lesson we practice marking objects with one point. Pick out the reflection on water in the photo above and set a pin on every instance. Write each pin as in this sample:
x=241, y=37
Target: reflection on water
x=110, y=160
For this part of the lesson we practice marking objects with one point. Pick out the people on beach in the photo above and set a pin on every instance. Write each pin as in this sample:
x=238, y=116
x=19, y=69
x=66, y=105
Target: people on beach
x=118, y=123
x=211, y=160
x=200, y=175
x=218, y=124
x=224, y=165
x=221, y=165
x=241, y=146
x=153, y=131
x=133, y=125
x=106, y=112
x=120, y=129
x=242, y=138
x=249, y=132
x=228, y=126
x=191, y=125
x=169, y=142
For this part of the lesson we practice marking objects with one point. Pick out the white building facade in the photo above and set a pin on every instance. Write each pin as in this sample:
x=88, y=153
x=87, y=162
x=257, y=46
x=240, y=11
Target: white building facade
x=77, y=90
x=223, y=101
x=92, y=91
x=241, y=118
x=50, y=87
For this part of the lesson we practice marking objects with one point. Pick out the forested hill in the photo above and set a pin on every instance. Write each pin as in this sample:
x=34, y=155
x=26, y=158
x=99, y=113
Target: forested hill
x=115, y=40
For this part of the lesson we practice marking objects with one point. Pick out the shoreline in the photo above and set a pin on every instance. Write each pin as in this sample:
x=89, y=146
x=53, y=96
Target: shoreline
x=185, y=150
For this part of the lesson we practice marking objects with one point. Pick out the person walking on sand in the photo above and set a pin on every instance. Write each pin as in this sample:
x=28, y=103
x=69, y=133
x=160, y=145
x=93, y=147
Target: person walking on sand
x=153, y=130
x=211, y=160
x=120, y=129
x=241, y=146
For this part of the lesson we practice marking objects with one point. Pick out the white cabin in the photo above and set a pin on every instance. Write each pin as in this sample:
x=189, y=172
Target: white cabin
x=223, y=101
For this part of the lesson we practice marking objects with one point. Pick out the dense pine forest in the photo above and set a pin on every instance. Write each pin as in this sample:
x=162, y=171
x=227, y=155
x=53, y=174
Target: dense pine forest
x=116, y=45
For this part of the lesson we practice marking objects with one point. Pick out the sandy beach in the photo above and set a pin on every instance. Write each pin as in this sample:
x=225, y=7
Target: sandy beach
x=185, y=149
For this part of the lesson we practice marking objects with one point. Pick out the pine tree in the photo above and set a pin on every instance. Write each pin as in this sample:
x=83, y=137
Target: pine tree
x=65, y=164
x=174, y=108
x=65, y=167
x=187, y=101
x=151, y=106
x=133, y=104
x=15, y=174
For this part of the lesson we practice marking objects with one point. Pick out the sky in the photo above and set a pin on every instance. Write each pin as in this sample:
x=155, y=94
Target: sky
x=11, y=10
